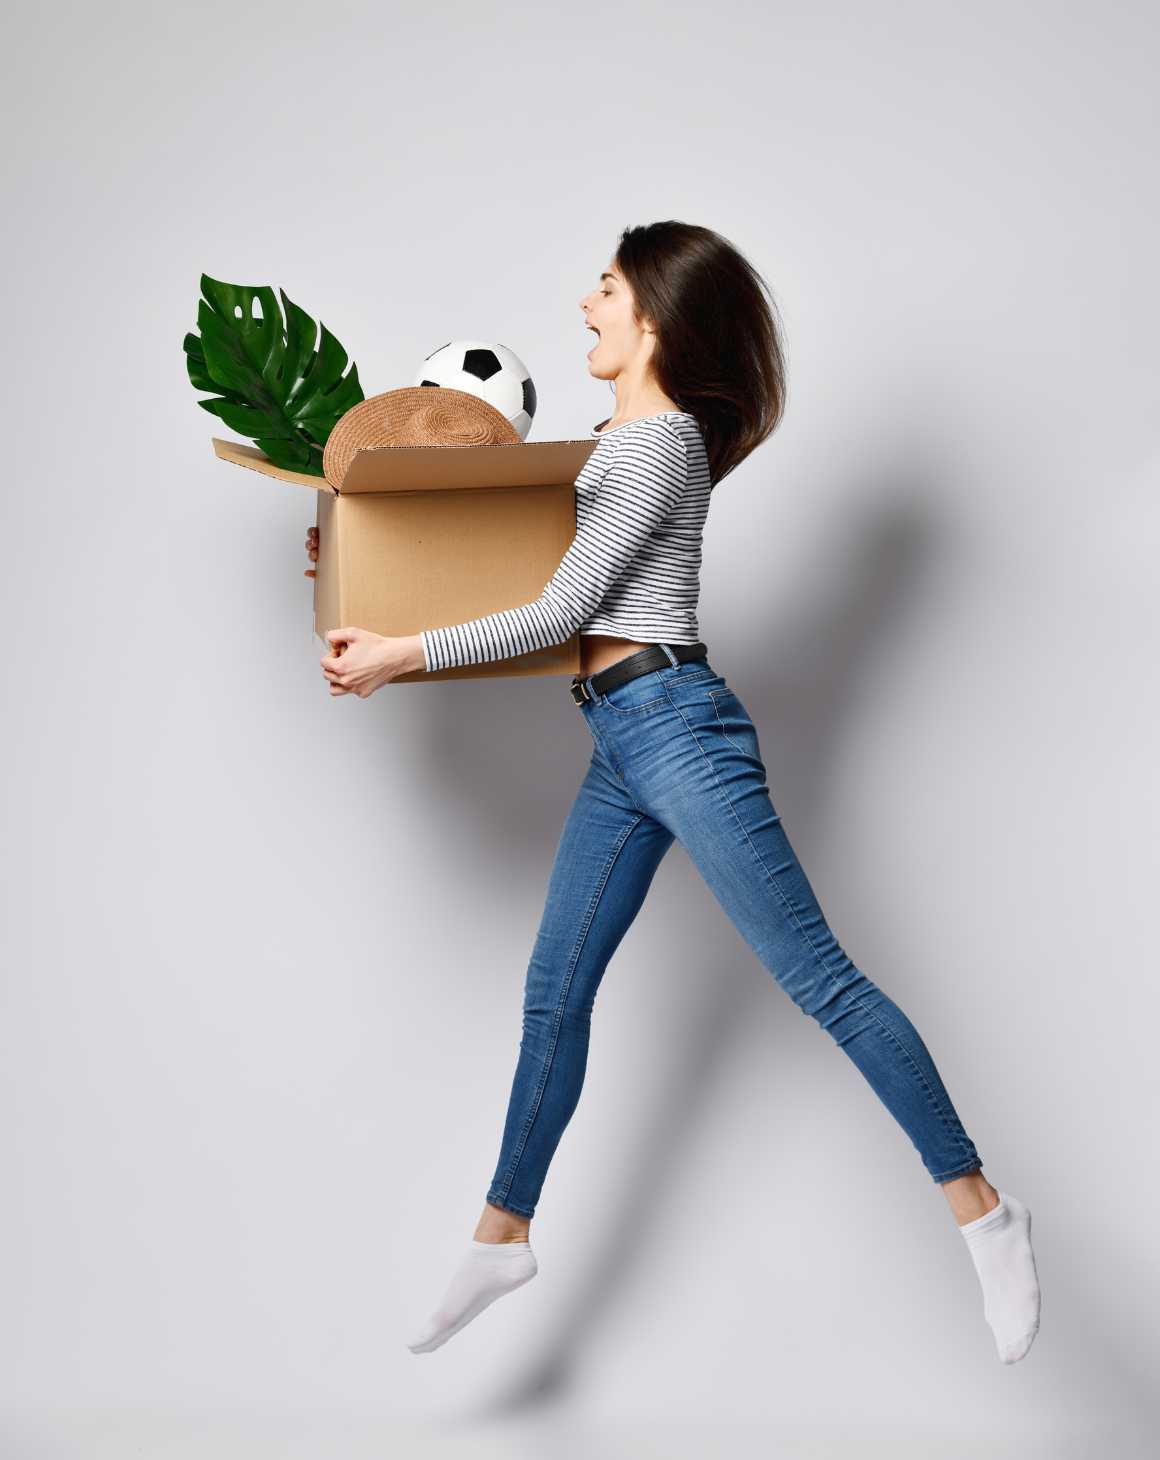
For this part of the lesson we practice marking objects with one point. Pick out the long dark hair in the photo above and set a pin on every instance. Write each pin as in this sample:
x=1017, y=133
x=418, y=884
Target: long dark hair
x=718, y=350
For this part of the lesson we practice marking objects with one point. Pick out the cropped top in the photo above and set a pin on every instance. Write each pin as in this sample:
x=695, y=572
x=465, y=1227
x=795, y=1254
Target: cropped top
x=633, y=571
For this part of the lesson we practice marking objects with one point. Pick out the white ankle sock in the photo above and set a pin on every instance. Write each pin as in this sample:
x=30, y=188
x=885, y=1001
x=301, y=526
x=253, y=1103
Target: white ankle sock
x=487, y=1272
x=1000, y=1245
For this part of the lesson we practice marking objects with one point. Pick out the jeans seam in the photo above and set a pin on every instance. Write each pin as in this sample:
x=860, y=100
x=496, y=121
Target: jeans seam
x=636, y=709
x=565, y=987
x=713, y=693
x=883, y=1028
x=603, y=744
x=964, y=1170
x=494, y=1201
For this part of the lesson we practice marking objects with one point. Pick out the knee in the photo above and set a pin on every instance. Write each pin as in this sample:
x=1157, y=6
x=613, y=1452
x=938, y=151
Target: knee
x=545, y=1025
x=824, y=989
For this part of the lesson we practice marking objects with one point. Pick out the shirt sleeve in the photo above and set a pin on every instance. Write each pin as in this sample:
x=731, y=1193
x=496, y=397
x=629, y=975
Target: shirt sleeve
x=641, y=487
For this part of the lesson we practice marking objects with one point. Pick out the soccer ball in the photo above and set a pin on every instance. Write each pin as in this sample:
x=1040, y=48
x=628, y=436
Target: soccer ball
x=491, y=372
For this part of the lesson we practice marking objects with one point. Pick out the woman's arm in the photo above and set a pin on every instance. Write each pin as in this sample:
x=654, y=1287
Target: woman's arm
x=641, y=487
x=643, y=484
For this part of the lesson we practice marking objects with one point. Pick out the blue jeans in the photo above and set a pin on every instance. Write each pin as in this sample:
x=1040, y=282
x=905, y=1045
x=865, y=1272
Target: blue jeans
x=676, y=757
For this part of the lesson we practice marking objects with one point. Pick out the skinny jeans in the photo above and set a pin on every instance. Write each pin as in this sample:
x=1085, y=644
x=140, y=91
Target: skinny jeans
x=676, y=758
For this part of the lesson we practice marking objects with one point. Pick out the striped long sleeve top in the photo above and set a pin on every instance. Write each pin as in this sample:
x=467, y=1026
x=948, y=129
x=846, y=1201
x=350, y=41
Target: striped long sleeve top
x=633, y=571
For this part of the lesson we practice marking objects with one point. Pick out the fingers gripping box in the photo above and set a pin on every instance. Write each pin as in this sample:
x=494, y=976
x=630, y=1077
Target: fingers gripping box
x=423, y=537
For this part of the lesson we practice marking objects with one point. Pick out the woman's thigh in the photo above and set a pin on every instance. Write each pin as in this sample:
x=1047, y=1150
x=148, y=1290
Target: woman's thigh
x=609, y=852
x=687, y=753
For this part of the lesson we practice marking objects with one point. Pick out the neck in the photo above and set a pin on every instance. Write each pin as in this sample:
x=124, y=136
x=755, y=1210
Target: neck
x=638, y=395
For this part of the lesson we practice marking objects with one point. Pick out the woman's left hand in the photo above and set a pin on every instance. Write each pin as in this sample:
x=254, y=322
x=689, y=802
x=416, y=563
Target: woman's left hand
x=360, y=663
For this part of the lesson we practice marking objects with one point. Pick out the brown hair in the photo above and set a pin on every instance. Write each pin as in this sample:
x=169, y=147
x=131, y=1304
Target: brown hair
x=718, y=351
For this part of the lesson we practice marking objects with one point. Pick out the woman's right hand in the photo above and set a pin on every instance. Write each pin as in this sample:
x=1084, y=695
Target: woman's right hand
x=311, y=548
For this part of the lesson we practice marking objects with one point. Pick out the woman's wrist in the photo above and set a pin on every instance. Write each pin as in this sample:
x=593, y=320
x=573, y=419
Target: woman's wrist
x=416, y=659
x=402, y=655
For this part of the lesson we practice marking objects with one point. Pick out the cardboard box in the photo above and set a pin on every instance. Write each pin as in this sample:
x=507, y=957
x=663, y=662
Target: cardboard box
x=423, y=537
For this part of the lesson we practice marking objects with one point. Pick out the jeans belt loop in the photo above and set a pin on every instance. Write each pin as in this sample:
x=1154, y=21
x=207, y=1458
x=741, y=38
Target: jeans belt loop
x=673, y=660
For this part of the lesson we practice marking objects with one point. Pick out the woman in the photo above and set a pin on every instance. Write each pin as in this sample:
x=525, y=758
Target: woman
x=688, y=335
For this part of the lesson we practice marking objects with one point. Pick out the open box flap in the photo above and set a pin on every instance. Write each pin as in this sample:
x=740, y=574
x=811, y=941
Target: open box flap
x=258, y=461
x=435, y=468
x=450, y=468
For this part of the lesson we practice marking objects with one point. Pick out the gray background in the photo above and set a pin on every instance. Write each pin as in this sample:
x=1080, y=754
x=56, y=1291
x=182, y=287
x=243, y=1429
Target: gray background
x=261, y=1004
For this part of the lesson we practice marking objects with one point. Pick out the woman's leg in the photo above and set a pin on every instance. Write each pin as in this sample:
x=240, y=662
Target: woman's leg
x=696, y=767
x=692, y=759
x=608, y=854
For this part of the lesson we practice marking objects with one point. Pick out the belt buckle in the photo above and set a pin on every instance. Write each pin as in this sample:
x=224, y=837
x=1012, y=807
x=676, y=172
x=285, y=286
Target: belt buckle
x=579, y=689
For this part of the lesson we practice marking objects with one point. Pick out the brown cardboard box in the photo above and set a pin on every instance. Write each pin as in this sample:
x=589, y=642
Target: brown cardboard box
x=422, y=537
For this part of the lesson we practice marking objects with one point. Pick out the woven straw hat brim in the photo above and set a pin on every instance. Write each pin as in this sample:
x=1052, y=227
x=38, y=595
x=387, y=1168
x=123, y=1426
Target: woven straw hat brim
x=418, y=415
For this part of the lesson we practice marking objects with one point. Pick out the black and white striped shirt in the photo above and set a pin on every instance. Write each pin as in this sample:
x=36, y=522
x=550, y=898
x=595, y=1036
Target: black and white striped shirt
x=632, y=571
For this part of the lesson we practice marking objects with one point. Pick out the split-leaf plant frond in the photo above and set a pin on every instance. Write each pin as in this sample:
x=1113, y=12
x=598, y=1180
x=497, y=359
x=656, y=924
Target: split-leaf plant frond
x=270, y=383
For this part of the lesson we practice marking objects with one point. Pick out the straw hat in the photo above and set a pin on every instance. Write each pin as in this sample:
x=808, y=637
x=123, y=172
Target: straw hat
x=415, y=416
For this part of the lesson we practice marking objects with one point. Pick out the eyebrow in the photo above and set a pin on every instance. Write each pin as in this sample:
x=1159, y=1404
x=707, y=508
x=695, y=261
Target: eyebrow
x=606, y=276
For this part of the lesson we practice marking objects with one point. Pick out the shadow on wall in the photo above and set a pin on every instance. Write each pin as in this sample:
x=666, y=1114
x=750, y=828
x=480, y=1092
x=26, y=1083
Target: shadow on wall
x=495, y=754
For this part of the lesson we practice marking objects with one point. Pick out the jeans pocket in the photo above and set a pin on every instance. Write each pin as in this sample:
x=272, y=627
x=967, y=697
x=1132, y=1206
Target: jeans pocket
x=637, y=695
x=734, y=723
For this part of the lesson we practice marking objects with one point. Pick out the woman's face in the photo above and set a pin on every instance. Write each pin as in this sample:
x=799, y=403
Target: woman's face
x=623, y=340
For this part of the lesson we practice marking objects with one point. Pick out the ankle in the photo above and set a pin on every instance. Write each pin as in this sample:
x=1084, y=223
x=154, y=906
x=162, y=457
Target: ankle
x=971, y=1196
x=497, y=1227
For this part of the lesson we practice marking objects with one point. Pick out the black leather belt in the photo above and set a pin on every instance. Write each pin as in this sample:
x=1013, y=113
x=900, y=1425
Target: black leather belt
x=644, y=661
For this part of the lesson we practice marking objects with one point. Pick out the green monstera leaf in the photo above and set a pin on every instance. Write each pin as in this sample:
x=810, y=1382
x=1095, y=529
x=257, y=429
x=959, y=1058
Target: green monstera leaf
x=273, y=379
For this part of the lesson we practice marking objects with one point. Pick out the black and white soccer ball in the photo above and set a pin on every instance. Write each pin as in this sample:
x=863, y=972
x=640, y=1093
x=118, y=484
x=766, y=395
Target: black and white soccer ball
x=489, y=371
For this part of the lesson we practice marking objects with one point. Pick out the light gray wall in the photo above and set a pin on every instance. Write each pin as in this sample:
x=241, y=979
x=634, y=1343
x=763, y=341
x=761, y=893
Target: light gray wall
x=261, y=1004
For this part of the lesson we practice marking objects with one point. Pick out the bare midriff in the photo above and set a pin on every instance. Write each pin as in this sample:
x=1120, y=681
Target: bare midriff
x=601, y=651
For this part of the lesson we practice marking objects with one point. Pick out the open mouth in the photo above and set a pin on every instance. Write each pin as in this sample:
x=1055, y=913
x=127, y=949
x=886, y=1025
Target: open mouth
x=596, y=346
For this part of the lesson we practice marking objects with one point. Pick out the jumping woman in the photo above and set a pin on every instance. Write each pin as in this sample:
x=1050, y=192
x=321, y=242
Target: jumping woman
x=688, y=335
